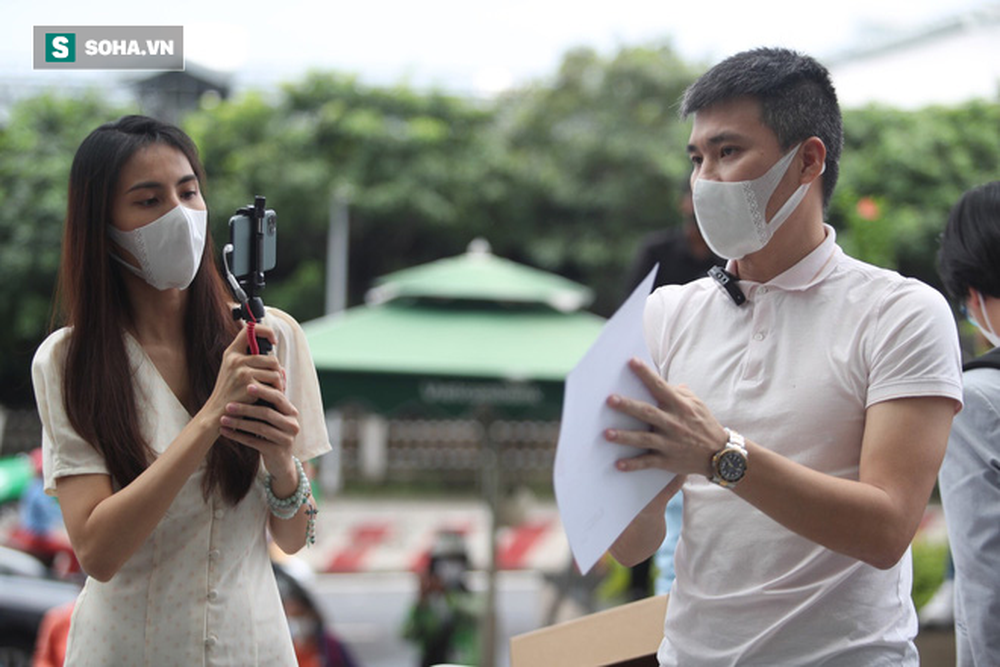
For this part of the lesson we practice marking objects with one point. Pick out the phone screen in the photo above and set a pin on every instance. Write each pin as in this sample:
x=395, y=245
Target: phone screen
x=241, y=228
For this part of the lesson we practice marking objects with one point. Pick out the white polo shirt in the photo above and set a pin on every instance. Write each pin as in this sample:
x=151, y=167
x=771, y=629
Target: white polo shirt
x=794, y=369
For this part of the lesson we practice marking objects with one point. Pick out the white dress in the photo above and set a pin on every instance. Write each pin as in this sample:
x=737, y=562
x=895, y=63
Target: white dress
x=200, y=590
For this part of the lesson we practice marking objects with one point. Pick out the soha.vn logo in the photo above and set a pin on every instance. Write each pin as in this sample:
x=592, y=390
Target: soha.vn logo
x=60, y=47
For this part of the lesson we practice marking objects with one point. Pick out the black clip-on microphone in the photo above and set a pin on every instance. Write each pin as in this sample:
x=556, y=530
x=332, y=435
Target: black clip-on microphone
x=727, y=281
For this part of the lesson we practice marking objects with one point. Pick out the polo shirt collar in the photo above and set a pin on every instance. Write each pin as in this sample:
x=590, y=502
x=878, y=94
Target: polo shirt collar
x=810, y=270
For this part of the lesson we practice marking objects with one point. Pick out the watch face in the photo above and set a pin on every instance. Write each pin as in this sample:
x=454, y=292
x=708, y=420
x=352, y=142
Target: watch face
x=732, y=466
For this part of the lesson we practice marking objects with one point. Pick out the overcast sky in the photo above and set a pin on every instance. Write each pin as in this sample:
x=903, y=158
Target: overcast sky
x=463, y=45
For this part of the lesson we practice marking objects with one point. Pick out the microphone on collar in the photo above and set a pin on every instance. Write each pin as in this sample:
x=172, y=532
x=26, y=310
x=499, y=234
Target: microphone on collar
x=727, y=281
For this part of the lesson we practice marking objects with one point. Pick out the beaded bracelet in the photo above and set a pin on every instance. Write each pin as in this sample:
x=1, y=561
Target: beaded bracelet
x=311, y=525
x=286, y=508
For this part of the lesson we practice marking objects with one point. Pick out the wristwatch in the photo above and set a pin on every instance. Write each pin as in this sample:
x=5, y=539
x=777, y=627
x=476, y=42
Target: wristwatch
x=729, y=464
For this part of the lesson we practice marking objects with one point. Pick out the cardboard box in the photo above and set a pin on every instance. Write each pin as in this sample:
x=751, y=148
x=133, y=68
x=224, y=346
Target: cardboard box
x=627, y=635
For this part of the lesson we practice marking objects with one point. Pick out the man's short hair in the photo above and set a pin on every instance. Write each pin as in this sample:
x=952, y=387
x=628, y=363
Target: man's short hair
x=796, y=96
x=970, y=246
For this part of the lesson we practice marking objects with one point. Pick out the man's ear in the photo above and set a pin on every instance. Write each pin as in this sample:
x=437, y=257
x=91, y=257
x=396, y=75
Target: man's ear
x=813, y=154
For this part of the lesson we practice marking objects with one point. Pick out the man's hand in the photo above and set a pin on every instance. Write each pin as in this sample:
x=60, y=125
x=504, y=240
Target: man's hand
x=683, y=435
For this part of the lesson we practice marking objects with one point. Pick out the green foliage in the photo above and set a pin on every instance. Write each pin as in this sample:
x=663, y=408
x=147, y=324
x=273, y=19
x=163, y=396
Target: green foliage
x=615, y=582
x=36, y=150
x=929, y=560
x=414, y=167
x=915, y=165
x=566, y=174
x=599, y=157
x=563, y=176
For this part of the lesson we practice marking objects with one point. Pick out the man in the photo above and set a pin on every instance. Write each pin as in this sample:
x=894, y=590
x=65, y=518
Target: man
x=836, y=383
x=681, y=252
x=969, y=265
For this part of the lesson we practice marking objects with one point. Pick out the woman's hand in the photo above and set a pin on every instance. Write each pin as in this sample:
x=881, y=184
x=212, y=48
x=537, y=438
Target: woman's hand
x=260, y=416
x=269, y=428
x=239, y=371
x=257, y=413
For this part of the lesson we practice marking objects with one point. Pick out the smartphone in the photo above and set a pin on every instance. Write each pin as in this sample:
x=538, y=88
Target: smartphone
x=241, y=235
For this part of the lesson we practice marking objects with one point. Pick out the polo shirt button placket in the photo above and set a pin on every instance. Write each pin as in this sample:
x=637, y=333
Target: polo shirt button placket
x=763, y=313
x=761, y=317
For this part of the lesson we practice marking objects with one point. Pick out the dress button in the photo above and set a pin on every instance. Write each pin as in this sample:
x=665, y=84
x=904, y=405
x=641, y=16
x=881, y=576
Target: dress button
x=214, y=554
x=210, y=641
x=763, y=290
x=220, y=513
x=213, y=595
x=759, y=336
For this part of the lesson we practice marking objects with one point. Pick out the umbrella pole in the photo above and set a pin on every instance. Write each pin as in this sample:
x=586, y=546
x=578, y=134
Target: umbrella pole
x=491, y=489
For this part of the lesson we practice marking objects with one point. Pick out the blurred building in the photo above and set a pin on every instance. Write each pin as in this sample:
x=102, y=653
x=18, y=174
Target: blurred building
x=949, y=62
x=169, y=95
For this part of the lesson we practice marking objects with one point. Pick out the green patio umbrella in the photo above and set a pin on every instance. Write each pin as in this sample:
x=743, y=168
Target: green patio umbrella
x=454, y=336
x=469, y=335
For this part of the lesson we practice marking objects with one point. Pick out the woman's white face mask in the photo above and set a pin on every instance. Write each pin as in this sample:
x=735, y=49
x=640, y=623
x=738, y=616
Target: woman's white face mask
x=731, y=214
x=168, y=249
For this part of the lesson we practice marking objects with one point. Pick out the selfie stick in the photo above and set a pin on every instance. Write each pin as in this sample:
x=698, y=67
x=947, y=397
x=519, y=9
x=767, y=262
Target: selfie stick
x=251, y=308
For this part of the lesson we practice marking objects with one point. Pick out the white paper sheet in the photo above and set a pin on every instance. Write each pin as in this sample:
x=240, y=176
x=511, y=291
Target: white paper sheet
x=597, y=501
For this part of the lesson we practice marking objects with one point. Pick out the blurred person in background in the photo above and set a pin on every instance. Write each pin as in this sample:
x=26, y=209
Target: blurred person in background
x=53, y=634
x=682, y=256
x=969, y=265
x=39, y=529
x=680, y=251
x=316, y=644
x=444, y=621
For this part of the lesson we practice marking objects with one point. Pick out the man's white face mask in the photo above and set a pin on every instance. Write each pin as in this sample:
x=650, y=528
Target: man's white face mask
x=731, y=214
x=168, y=249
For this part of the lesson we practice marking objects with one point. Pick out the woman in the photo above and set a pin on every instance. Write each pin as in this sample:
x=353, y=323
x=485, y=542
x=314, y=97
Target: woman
x=969, y=264
x=169, y=473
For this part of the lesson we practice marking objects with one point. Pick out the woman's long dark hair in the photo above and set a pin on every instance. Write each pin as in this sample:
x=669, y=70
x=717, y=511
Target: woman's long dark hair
x=97, y=385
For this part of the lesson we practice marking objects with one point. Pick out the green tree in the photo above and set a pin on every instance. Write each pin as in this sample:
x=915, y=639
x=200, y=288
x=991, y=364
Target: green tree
x=414, y=167
x=37, y=145
x=566, y=174
x=914, y=165
x=599, y=159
